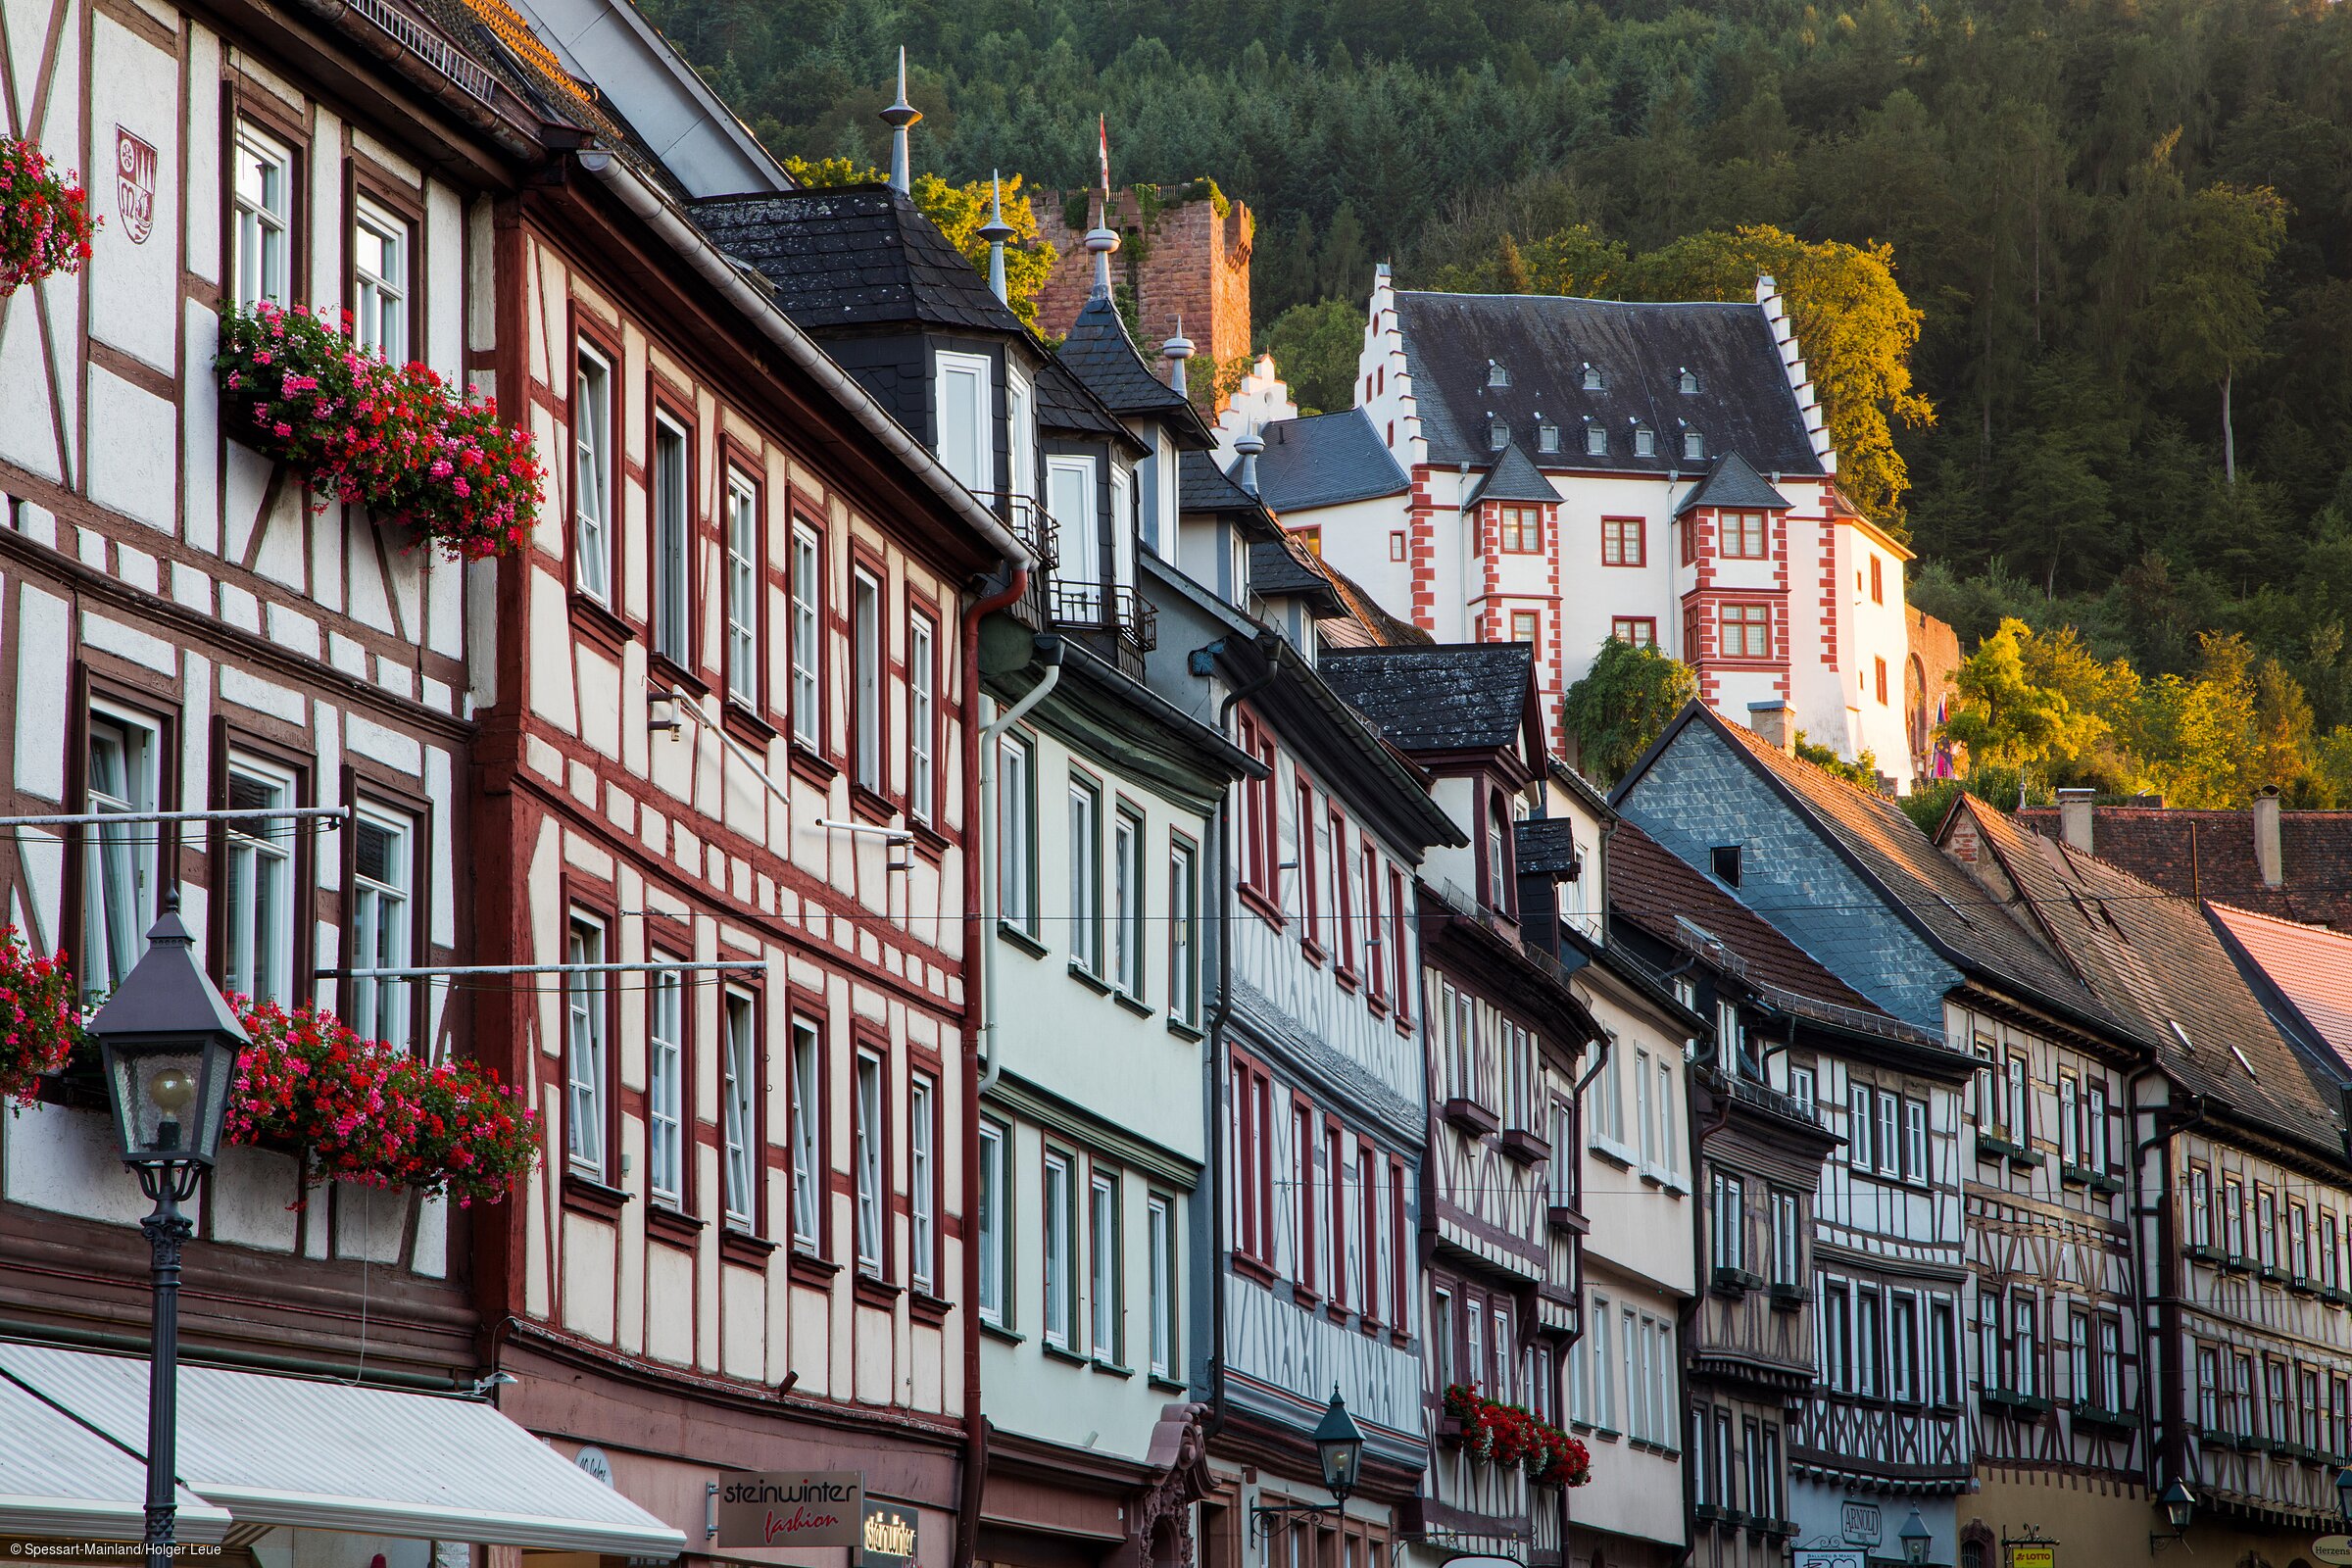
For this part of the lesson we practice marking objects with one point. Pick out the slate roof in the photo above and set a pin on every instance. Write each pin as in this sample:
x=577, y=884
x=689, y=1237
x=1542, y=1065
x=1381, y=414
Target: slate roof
x=2210, y=855
x=1513, y=477
x=1744, y=403
x=1281, y=567
x=1652, y=888
x=2310, y=965
x=1100, y=352
x=1366, y=625
x=1441, y=698
x=2159, y=965
x=1325, y=460
x=1548, y=846
x=1064, y=404
x=851, y=256
x=1733, y=483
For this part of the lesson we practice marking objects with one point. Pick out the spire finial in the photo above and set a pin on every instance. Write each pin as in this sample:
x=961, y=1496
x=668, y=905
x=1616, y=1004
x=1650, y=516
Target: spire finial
x=1178, y=349
x=1102, y=239
x=997, y=232
x=898, y=116
x=1248, y=447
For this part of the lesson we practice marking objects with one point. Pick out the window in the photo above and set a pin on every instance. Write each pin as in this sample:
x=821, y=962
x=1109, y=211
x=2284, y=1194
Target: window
x=1604, y=1386
x=1086, y=876
x=922, y=1181
x=1496, y=375
x=872, y=1197
x=807, y=1137
x=2111, y=1364
x=1367, y=878
x=1127, y=903
x=1788, y=1239
x=1060, y=1233
x=1020, y=436
x=1877, y=582
x=1310, y=928
x=259, y=917
x=1944, y=1381
x=2241, y=1395
x=1801, y=1089
x=1547, y=436
x=1474, y=1341
x=119, y=858
x=1399, y=954
x=592, y=475
x=1597, y=440
x=383, y=866
x=2025, y=1355
x=1102, y=1263
x=263, y=243
x=866, y=695
x=1253, y=1143
x=379, y=282
x=1882, y=675
x=2298, y=1241
x=1869, y=1375
x=2331, y=1274
x=2233, y=1216
x=1694, y=447
x=1346, y=1238
x=1744, y=535
x=922, y=717
x=2209, y=1388
x=1499, y=433
x=1914, y=1142
x=670, y=600
x=995, y=1228
x=2095, y=1124
x=808, y=605
x=741, y=1112
x=966, y=449
x=1646, y=443
x=1160, y=1237
x=1889, y=1135
x=584, y=1050
x=1686, y=383
x=2266, y=1226
x=666, y=1087
x=2018, y=1121
x=1500, y=875
x=1017, y=856
x=1637, y=631
x=1643, y=1117
x=1371, y=1196
x=743, y=590
x=1623, y=542
x=1859, y=1125
x=1727, y=1226
x=1347, y=892
x=1397, y=545
x=1743, y=631
x=1522, y=530
x=1592, y=379
x=2077, y=1356
x=1902, y=1349
x=1440, y=1344
x=1070, y=497
x=1309, y=1247
x=1837, y=1336
x=1184, y=933
x=2281, y=1421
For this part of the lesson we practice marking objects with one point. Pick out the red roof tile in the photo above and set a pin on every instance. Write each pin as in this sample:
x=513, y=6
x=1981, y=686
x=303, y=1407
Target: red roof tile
x=2309, y=965
x=2210, y=855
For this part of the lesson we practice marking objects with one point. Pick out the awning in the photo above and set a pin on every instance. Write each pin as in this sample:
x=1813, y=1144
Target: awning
x=282, y=1450
x=59, y=1478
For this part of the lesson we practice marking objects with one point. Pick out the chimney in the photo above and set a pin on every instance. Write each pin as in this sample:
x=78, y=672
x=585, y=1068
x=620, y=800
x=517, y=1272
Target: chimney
x=2074, y=819
x=1248, y=447
x=1178, y=349
x=2266, y=857
x=1770, y=719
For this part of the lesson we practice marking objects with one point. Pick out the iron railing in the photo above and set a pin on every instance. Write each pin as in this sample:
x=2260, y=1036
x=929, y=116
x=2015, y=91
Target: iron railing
x=1110, y=607
x=427, y=46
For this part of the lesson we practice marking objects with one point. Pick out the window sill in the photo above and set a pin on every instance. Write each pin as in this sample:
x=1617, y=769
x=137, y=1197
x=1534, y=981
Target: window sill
x=1399, y=1338
x=1563, y=1219
x=673, y=1226
x=1524, y=1146
x=1346, y=976
x=662, y=672
x=1165, y=1383
x=1135, y=1005
x=1113, y=1368
x=872, y=1292
x=1088, y=978
x=1313, y=950
x=1336, y=1313
x=1622, y=1158
x=1186, y=1031
x=596, y=624
x=586, y=1195
x=1469, y=1117
x=924, y=1307
x=1379, y=1005
x=742, y=1247
x=1003, y=1335
x=1250, y=1268
x=1405, y=1024
x=1266, y=907
x=806, y=1268
x=745, y=727
x=1059, y=1353
x=871, y=806
x=929, y=842
x=1021, y=939
x=810, y=768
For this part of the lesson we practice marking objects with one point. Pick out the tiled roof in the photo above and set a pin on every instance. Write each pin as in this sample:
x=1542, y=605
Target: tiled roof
x=2311, y=966
x=1733, y=483
x=2210, y=855
x=2155, y=962
x=1673, y=901
x=1281, y=567
x=1325, y=460
x=1438, y=698
x=1548, y=845
x=850, y=256
x=1366, y=625
x=1101, y=354
x=1743, y=401
x=1514, y=477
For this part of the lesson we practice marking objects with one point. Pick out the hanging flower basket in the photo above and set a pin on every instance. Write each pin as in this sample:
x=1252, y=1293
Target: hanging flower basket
x=364, y=1111
x=1509, y=1434
x=396, y=439
x=40, y=1022
x=45, y=221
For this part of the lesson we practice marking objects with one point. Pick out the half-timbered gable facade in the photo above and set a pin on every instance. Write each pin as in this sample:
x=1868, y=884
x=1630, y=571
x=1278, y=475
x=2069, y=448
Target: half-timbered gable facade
x=2235, y=1141
x=1506, y=1034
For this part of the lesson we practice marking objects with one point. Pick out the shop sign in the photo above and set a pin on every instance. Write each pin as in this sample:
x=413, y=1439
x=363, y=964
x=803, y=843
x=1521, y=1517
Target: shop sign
x=1860, y=1524
x=2333, y=1548
x=2034, y=1555
x=889, y=1540
x=791, y=1508
x=1830, y=1557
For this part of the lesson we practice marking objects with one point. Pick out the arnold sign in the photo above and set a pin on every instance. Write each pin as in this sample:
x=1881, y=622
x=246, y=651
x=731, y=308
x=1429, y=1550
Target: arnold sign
x=791, y=1508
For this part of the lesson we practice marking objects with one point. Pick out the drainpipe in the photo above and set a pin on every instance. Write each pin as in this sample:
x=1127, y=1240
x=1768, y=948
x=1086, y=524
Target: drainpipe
x=1270, y=645
x=975, y=1443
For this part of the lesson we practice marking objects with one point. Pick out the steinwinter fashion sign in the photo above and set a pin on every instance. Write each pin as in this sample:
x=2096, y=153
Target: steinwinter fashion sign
x=793, y=1508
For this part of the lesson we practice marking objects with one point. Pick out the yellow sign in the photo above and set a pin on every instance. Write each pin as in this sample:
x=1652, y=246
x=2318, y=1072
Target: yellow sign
x=2034, y=1555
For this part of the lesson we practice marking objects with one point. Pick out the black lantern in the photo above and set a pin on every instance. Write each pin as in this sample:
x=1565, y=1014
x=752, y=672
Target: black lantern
x=1915, y=1539
x=168, y=1043
x=1340, y=1447
x=2178, y=1507
x=2344, y=1492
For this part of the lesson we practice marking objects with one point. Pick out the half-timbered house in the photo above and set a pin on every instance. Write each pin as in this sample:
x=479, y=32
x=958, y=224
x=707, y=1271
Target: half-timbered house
x=1505, y=1036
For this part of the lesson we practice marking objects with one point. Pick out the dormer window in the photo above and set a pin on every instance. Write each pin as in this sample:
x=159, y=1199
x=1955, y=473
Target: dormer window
x=1597, y=440
x=1499, y=432
x=1496, y=375
x=1646, y=442
x=1688, y=384
x=1592, y=379
x=1547, y=436
x=1695, y=445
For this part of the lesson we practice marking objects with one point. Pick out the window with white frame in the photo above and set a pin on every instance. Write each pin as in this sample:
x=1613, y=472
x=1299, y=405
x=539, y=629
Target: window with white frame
x=118, y=858
x=807, y=631
x=1086, y=875
x=1184, y=935
x=1788, y=1239
x=1441, y=1339
x=379, y=281
x=865, y=674
x=262, y=245
x=922, y=719
x=996, y=1226
x=873, y=1197
x=1604, y=1374
x=963, y=408
x=670, y=603
x=258, y=957
x=1159, y=1229
x=592, y=475
x=383, y=921
x=1902, y=1349
x=808, y=1094
x=1727, y=1227
x=584, y=1047
x=1016, y=854
x=743, y=590
x=922, y=1183
x=1060, y=1240
x=1070, y=496
x=739, y=1112
x=666, y=1086
x=1597, y=440
x=1127, y=903
x=1914, y=1142
x=1102, y=1265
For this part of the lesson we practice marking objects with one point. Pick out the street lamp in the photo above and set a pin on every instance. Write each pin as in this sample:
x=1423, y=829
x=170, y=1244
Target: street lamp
x=1915, y=1539
x=168, y=1045
x=2178, y=1507
x=1340, y=1450
x=2344, y=1492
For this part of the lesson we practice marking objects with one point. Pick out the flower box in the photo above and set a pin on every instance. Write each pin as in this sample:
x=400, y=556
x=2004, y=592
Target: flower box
x=1491, y=1432
x=45, y=221
x=40, y=1022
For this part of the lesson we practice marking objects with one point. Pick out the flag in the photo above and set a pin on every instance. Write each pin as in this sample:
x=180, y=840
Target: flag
x=1102, y=145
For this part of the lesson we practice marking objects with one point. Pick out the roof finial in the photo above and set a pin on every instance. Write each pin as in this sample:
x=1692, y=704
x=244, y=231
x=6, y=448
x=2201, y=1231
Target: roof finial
x=997, y=232
x=898, y=116
x=1178, y=349
x=1102, y=239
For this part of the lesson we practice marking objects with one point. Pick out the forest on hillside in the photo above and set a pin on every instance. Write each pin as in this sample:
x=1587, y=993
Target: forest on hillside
x=2124, y=228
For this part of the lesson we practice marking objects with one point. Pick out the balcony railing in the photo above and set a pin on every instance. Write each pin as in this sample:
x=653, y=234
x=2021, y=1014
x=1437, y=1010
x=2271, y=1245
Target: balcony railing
x=1029, y=522
x=1110, y=607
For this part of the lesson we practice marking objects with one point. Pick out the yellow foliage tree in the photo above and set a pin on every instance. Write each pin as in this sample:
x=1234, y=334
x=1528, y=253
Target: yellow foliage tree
x=959, y=211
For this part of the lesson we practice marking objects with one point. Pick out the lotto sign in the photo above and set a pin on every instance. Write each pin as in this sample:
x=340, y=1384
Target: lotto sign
x=2034, y=1555
x=134, y=186
x=799, y=1508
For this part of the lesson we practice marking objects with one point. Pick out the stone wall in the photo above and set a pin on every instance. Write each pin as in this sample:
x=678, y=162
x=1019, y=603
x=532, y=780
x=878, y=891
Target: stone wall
x=1188, y=262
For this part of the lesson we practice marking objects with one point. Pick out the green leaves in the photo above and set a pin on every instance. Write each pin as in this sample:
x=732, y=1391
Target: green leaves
x=1623, y=704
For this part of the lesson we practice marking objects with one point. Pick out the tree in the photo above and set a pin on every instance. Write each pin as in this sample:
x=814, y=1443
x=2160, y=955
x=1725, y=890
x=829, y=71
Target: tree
x=2207, y=312
x=1316, y=347
x=959, y=211
x=1624, y=703
x=2004, y=717
x=1862, y=771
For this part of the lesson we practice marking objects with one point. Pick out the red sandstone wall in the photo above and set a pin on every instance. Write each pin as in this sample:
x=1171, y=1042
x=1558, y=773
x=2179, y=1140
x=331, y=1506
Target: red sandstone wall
x=1193, y=265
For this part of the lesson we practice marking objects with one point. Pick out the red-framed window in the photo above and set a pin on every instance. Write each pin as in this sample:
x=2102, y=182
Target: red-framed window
x=1398, y=957
x=1375, y=969
x=1310, y=886
x=1640, y=631
x=1623, y=542
x=1343, y=943
x=1253, y=1161
x=1744, y=535
x=1743, y=630
x=1522, y=530
x=1302, y=1190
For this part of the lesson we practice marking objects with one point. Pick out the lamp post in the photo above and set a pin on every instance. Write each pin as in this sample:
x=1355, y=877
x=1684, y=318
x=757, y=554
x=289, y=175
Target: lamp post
x=1915, y=1539
x=169, y=1044
x=2180, y=1506
x=1340, y=1453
